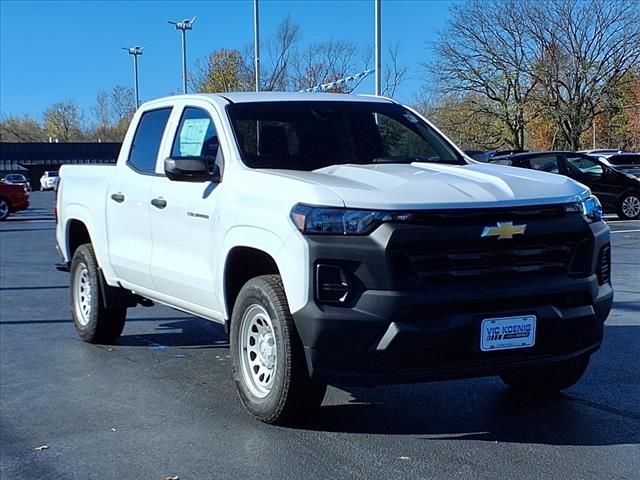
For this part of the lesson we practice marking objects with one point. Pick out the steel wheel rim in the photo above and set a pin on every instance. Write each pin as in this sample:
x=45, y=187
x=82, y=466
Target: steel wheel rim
x=4, y=208
x=631, y=206
x=82, y=295
x=258, y=351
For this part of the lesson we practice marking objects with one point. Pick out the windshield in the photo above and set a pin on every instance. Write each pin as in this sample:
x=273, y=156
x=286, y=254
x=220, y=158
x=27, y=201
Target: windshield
x=311, y=135
x=15, y=178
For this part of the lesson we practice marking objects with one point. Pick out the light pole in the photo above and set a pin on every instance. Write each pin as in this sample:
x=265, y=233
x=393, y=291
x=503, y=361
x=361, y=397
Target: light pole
x=183, y=26
x=256, y=43
x=135, y=51
x=377, y=51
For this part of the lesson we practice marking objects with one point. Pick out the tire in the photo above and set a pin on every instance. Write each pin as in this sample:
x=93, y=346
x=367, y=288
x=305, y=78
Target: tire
x=271, y=378
x=629, y=206
x=547, y=381
x=5, y=209
x=94, y=322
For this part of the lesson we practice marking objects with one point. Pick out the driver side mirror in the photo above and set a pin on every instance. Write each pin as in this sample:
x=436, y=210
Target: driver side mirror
x=191, y=169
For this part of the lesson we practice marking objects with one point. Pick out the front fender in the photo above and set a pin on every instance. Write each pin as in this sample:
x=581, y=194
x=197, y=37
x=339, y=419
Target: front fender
x=290, y=255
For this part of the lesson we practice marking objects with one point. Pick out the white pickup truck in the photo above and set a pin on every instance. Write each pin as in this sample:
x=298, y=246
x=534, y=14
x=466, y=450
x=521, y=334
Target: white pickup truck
x=341, y=239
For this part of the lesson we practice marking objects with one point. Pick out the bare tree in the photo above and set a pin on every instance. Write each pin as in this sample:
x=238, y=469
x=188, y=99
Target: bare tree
x=280, y=49
x=123, y=103
x=21, y=129
x=485, y=54
x=325, y=62
x=394, y=73
x=63, y=121
x=585, y=48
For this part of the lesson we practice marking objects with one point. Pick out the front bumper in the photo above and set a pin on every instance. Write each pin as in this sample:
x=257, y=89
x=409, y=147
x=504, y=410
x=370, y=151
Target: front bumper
x=403, y=335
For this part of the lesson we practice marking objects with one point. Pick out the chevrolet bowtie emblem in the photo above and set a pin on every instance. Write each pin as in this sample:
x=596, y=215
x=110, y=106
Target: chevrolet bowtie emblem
x=504, y=230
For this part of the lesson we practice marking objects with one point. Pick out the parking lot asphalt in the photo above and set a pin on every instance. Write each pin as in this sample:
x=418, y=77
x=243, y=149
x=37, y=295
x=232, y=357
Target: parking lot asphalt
x=161, y=402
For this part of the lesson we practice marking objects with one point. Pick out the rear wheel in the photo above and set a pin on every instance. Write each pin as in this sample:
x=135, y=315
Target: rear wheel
x=547, y=381
x=4, y=209
x=97, y=319
x=629, y=206
x=268, y=361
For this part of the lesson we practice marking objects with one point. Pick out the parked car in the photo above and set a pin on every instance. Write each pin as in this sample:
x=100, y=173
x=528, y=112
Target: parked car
x=479, y=155
x=17, y=179
x=13, y=198
x=48, y=180
x=625, y=162
x=618, y=191
x=340, y=239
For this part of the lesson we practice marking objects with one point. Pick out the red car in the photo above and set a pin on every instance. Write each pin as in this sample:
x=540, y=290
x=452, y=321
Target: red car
x=13, y=198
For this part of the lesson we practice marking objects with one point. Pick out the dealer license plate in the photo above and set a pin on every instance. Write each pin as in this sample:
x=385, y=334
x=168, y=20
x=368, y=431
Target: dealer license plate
x=508, y=332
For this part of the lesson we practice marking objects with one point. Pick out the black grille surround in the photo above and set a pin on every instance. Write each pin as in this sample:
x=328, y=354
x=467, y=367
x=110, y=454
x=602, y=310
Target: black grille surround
x=554, y=242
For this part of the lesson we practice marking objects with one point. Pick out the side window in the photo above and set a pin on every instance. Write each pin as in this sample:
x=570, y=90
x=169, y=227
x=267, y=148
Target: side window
x=146, y=141
x=584, y=165
x=196, y=136
x=548, y=163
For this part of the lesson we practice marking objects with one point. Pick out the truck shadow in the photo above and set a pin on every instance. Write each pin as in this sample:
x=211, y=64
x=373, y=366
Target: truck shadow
x=182, y=332
x=602, y=409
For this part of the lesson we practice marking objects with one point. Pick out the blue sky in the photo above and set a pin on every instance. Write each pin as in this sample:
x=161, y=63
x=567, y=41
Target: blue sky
x=51, y=51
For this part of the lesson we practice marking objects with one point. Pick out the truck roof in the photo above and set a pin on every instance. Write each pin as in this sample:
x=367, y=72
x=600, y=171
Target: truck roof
x=245, y=97
x=248, y=97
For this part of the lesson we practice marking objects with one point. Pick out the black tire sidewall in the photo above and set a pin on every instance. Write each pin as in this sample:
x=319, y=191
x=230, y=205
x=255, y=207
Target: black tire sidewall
x=2, y=200
x=254, y=293
x=84, y=256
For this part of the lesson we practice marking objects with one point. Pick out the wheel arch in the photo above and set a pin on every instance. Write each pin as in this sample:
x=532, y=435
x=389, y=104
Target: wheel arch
x=243, y=263
x=77, y=233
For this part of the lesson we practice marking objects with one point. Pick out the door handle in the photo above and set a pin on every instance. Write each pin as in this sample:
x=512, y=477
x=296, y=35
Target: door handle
x=118, y=197
x=159, y=203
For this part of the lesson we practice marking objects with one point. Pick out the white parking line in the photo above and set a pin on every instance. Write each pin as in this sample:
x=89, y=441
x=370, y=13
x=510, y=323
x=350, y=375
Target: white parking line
x=624, y=231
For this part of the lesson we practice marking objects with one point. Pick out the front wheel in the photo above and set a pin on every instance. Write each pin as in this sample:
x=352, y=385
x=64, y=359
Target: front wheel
x=96, y=319
x=4, y=209
x=269, y=367
x=629, y=206
x=546, y=381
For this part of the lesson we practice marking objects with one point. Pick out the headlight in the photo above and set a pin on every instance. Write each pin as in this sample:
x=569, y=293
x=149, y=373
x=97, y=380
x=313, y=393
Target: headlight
x=589, y=207
x=338, y=221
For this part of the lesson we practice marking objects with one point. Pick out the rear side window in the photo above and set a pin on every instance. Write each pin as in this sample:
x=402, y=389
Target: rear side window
x=146, y=142
x=548, y=163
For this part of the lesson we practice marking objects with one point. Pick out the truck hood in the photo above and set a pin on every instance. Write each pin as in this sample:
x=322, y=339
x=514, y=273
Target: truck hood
x=428, y=185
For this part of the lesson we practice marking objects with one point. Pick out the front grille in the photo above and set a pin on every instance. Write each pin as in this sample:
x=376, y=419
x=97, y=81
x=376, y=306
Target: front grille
x=550, y=245
x=538, y=258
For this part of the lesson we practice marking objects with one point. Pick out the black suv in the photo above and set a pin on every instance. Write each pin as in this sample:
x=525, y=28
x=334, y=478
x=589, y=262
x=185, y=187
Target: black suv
x=618, y=191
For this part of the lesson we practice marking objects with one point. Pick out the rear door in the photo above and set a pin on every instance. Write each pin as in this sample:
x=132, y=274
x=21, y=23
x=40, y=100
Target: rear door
x=184, y=225
x=128, y=223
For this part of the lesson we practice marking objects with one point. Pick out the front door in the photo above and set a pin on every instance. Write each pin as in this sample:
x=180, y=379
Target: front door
x=184, y=224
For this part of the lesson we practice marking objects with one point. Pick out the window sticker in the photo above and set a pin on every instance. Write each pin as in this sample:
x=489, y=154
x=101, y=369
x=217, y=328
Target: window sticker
x=192, y=136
